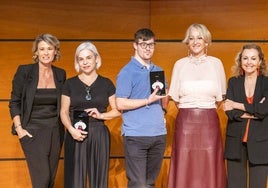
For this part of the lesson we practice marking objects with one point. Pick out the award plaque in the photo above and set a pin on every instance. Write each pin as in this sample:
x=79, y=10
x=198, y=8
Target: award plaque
x=157, y=80
x=80, y=119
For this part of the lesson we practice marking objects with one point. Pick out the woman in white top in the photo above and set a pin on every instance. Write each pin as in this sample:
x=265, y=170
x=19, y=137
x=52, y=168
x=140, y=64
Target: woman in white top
x=198, y=85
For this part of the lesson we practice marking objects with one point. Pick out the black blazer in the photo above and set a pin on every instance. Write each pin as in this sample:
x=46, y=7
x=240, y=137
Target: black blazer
x=257, y=143
x=24, y=86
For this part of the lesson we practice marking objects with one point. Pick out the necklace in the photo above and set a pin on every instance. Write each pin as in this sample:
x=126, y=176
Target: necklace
x=198, y=60
x=88, y=84
x=88, y=90
x=88, y=95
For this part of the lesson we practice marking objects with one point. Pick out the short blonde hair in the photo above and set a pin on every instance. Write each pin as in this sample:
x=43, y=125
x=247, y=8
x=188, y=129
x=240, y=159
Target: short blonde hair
x=86, y=46
x=50, y=39
x=202, y=29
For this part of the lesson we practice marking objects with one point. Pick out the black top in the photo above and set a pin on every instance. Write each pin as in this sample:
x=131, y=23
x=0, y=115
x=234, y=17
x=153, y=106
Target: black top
x=44, y=110
x=100, y=90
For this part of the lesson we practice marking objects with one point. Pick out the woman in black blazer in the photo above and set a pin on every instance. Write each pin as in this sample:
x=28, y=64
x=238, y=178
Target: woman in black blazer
x=35, y=108
x=246, y=106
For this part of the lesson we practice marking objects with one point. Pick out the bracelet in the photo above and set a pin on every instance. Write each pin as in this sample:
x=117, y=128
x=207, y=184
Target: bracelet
x=16, y=126
x=147, y=103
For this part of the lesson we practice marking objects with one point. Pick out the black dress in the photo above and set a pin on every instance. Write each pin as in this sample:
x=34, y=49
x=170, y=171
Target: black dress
x=92, y=155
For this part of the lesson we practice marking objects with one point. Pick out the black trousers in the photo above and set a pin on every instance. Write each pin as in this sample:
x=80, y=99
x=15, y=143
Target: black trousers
x=143, y=159
x=238, y=171
x=42, y=153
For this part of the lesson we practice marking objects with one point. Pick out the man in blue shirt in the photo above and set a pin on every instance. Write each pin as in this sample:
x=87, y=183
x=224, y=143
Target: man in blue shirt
x=143, y=130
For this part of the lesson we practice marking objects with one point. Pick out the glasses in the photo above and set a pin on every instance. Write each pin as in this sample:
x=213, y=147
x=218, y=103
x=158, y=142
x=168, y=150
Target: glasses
x=144, y=45
x=88, y=95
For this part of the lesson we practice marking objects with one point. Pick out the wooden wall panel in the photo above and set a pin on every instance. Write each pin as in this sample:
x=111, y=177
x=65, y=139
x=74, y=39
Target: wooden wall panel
x=111, y=25
x=117, y=174
x=73, y=19
x=227, y=20
x=10, y=144
x=104, y=19
x=15, y=174
x=12, y=55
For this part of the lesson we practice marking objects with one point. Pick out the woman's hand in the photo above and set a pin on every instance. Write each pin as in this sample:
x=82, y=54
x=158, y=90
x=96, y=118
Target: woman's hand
x=231, y=105
x=77, y=134
x=93, y=112
x=22, y=132
x=228, y=105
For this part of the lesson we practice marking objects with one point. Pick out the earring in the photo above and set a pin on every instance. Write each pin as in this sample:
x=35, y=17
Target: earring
x=34, y=56
x=258, y=71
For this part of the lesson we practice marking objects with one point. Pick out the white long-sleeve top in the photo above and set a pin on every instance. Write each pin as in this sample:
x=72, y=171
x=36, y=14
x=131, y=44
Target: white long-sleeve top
x=197, y=83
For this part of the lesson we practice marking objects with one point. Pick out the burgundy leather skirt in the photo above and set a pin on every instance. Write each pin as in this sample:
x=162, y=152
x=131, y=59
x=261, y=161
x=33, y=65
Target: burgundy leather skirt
x=197, y=153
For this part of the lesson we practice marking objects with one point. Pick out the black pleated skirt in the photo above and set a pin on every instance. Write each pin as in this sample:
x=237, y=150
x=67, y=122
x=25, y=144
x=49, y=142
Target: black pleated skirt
x=87, y=161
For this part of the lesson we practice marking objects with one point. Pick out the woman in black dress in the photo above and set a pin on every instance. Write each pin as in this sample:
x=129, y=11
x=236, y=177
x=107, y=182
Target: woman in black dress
x=87, y=150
